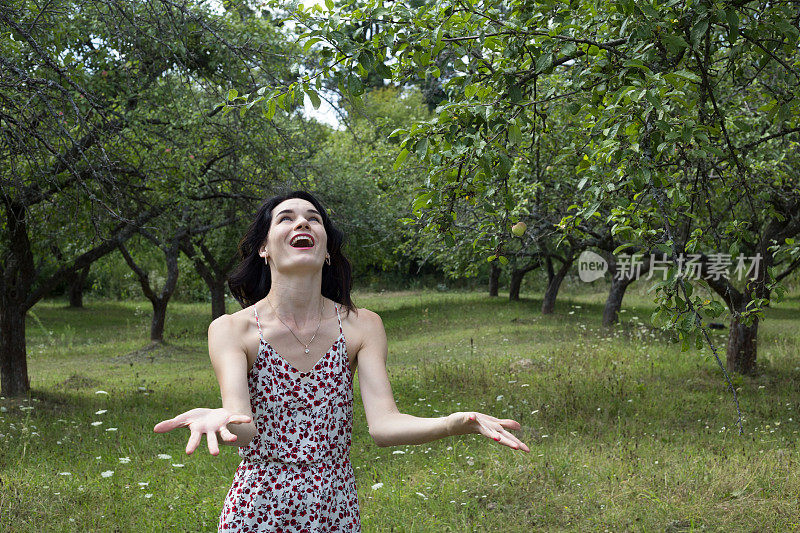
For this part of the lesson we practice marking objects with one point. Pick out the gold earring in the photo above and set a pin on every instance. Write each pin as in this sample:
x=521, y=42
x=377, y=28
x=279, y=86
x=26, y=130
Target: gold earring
x=328, y=259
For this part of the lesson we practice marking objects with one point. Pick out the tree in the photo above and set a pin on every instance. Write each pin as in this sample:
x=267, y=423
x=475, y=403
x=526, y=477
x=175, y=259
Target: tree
x=685, y=102
x=82, y=139
x=213, y=270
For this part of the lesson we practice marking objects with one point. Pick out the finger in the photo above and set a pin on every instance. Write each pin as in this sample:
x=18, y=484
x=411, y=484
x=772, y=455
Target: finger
x=487, y=430
x=213, y=445
x=226, y=434
x=171, y=423
x=166, y=425
x=506, y=441
x=194, y=442
x=239, y=419
x=518, y=444
x=510, y=424
x=500, y=435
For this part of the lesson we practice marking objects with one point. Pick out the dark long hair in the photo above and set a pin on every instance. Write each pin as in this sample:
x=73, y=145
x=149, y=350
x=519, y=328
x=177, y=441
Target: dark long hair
x=251, y=279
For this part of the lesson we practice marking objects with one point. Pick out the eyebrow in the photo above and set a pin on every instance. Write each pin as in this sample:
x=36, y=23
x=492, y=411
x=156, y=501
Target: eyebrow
x=292, y=212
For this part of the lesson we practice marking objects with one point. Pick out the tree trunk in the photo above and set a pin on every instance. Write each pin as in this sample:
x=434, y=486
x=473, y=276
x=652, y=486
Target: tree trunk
x=76, y=287
x=619, y=284
x=515, y=284
x=553, y=285
x=614, y=301
x=159, y=301
x=13, y=364
x=494, y=281
x=214, y=273
x=742, y=347
x=217, y=299
x=159, y=318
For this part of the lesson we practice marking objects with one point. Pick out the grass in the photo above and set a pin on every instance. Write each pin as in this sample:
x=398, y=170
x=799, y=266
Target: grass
x=626, y=432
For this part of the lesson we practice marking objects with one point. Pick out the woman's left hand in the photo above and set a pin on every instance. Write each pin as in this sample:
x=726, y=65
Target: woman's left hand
x=494, y=428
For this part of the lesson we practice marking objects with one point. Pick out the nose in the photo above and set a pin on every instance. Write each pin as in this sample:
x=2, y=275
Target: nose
x=302, y=222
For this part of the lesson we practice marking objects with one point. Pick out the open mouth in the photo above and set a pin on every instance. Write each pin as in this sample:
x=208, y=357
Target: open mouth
x=302, y=241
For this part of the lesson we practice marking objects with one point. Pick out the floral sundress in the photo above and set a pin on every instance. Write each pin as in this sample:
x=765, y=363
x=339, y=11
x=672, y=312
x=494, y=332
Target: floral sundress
x=295, y=475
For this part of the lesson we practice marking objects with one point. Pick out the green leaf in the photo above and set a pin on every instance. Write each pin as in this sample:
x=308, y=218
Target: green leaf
x=592, y=209
x=621, y=247
x=698, y=31
x=309, y=43
x=733, y=24
x=421, y=147
x=270, y=111
x=233, y=93
x=329, y=4
x=382, y=70
x=314, y=97
x=675, y=43
x=689, y=75
x=354, y=84
x=514, y=134
x=400, y=158
x=423, y=200
x=543, y=62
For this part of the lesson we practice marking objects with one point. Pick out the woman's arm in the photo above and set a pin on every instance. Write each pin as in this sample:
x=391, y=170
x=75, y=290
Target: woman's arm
x=388, y=426
x=234, y=421
x=229, y=359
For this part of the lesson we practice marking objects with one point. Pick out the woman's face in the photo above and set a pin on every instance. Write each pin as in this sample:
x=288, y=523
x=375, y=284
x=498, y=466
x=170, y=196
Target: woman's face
x=296, y=236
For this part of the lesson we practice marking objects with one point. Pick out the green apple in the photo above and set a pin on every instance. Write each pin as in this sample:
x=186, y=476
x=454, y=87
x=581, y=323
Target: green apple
x=519, y=228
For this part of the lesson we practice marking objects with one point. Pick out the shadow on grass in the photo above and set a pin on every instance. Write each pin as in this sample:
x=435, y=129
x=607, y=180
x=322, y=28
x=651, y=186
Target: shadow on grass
x=674, y=396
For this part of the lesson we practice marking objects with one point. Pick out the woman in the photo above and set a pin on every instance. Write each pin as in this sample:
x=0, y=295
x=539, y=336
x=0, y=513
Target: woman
x=285, y=366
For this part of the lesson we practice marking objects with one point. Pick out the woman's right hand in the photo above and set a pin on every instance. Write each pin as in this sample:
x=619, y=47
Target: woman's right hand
x=208, y=421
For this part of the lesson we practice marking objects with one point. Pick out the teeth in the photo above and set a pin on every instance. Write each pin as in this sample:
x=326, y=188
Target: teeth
x=301, y=237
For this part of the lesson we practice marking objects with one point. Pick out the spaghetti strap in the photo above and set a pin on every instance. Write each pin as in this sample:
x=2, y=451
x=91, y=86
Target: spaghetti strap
x=258, y=324
x=338, y=318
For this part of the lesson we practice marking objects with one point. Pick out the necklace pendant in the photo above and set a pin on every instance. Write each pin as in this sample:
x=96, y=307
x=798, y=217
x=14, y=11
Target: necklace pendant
x=306, y=350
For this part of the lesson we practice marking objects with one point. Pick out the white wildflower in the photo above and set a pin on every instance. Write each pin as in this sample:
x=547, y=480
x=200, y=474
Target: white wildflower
x=376, y=486
x=107, y=473
x=100, y=392
x=101, y=412
x=164, y=456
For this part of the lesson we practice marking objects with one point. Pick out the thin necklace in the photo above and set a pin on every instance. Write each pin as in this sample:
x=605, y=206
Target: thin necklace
x=322, y=307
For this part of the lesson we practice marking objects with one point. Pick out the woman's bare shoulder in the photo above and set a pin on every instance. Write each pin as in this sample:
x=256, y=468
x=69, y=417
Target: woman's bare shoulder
x=234, y=324
x=364, y=320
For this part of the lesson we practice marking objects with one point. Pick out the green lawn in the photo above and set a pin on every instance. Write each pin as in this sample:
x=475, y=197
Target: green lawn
x=626, y=432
